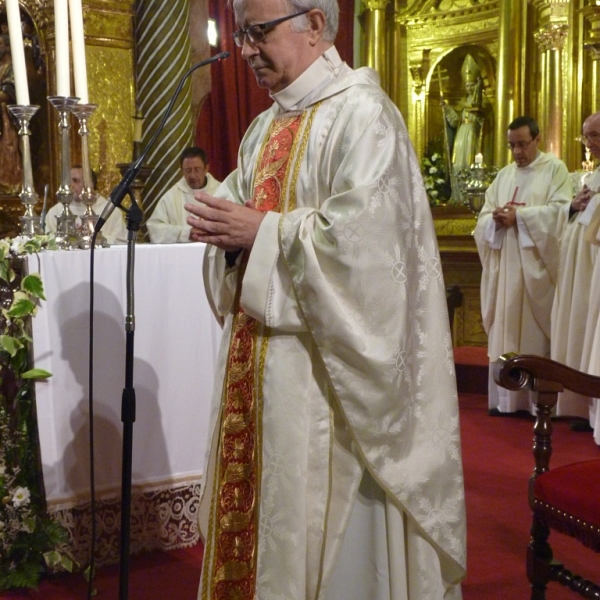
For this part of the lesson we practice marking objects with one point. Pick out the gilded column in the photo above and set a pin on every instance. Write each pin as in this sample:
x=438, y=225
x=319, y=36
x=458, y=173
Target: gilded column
x=418, y=69
x=163, y=56
x=375, y=37
x=509, y=102
x=551, y=38
x=397, y=64
x=592, y=45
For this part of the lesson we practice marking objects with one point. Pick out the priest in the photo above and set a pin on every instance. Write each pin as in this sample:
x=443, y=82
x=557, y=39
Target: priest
x=335, y=467
x=518, y=248
x=574, y=285
x=167, y=223
x=590, y=359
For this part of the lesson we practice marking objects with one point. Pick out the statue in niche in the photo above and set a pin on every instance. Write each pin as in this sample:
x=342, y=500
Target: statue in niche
x=10, y=158
x=471, y=122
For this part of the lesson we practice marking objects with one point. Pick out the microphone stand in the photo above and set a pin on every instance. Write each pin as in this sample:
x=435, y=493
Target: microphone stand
x=128, y=403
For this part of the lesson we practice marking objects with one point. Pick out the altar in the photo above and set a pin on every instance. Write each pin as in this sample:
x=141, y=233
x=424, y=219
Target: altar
x=176, y=343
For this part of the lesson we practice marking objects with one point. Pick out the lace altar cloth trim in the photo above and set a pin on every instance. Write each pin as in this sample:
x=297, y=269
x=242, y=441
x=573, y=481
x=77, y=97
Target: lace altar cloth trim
x=161, y=519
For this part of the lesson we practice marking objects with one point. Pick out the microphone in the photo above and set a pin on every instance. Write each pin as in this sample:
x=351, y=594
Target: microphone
x=122, y=188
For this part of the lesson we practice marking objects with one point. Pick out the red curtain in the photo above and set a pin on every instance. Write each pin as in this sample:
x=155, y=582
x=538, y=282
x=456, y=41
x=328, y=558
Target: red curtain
x=235, y=99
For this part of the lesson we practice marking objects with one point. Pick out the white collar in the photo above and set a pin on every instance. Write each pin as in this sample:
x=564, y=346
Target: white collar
x=300, y=92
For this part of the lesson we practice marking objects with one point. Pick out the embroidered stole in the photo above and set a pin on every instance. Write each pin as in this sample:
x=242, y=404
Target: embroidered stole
x=232, y=539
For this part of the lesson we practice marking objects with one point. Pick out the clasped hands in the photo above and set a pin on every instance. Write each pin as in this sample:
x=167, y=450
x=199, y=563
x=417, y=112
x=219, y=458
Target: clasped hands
x=505, y=216
x=582, y=198
x=224, y=224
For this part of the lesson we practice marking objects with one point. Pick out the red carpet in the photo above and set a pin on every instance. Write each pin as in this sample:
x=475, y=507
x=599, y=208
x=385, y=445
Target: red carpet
x=154, y=576
x=497, y=461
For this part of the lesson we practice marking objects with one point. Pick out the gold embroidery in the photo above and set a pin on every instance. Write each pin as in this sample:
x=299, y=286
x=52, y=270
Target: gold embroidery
x=234, y=519
x=235, y=522
x=329, y=488
x=232, y=571
x=291, y=190
x=236, y=472
x=235, y=423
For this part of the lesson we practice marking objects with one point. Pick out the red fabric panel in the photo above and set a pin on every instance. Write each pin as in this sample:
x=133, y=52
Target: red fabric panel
x=233, y=102
x=235, y=99
x=471, y=355
x=574, y=489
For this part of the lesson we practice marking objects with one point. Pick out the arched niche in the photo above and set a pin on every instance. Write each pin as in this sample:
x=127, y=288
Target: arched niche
x=34, y=27
x=444, y=78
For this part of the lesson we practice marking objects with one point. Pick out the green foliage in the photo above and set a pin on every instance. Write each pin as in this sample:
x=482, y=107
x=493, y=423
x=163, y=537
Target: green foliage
x=30, y=541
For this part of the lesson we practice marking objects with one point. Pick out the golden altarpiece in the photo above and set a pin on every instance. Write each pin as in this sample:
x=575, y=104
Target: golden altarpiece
x=537, y=57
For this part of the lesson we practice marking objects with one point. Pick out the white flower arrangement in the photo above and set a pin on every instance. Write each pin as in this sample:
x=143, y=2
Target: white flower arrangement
x=432, y=169
x=29, y=540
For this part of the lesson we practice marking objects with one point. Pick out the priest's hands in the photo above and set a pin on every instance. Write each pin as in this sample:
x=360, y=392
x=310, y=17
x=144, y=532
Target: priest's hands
x=505, y=216
x=224, y=224
x=582, y=198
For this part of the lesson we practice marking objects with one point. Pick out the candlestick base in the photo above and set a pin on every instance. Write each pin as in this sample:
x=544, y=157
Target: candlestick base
x=30, y=223
x=83, y=112
x=67, y=235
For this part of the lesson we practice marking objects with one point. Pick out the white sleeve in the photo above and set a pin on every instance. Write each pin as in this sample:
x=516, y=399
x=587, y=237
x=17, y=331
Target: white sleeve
x=494, y=236
x=267, y=292
x=525, y=240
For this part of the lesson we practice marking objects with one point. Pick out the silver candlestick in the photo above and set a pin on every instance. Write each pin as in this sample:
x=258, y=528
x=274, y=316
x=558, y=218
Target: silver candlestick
x=30, y=223
x=67, y=236
x=473, y=183
x=88, y=195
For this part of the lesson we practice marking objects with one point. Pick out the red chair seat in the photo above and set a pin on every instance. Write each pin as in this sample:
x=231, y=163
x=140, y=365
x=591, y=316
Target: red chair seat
x=572, y=489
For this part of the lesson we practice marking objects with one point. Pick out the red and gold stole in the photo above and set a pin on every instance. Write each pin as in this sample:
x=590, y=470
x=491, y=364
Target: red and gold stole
x=233, y=529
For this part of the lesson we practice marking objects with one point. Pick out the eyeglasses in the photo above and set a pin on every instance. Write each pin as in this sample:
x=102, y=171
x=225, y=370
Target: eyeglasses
x=519, y=145
x=257, y=33
x=593, y=136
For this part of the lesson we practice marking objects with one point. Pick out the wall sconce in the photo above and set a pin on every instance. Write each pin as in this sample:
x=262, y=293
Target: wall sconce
x=212, y=33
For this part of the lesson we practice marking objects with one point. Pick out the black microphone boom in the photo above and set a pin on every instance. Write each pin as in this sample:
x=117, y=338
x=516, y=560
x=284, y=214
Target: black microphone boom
x=122, y=188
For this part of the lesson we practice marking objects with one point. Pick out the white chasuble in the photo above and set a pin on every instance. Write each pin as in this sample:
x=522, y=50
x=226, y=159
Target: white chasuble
x=572, y=298
x=590, y=356
x=520, y=264
x=360, y=476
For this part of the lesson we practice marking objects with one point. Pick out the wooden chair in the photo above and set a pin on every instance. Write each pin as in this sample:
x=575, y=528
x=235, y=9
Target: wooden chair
x=565, y=499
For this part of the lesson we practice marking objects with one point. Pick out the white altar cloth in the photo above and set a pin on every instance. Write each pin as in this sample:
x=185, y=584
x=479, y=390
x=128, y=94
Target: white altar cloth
x=175, y=345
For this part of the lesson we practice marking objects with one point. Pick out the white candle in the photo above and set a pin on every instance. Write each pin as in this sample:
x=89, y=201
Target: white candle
x=479, y=159
x=138, y=128
x=61, y=42
x=17, y=51
x=78, y=42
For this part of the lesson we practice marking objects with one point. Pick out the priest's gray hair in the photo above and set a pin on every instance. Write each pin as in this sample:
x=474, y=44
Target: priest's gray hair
x=330, y=9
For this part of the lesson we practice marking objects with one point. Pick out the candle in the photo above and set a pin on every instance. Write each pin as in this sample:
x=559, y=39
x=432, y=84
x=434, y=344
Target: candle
x=17, y=51
x=479, y=159
x=78, y=42
x=61, y=42
x=138, y=126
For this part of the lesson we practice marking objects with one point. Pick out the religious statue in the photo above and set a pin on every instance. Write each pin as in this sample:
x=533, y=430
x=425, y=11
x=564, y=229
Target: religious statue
x=471, y=123
x=10, y=158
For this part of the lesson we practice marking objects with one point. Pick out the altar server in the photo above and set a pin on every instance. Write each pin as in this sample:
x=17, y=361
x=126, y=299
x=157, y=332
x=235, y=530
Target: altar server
x=518, y=248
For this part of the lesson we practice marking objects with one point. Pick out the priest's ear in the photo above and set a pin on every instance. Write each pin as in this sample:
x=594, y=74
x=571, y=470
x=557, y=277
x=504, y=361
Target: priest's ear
x=316, y=19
